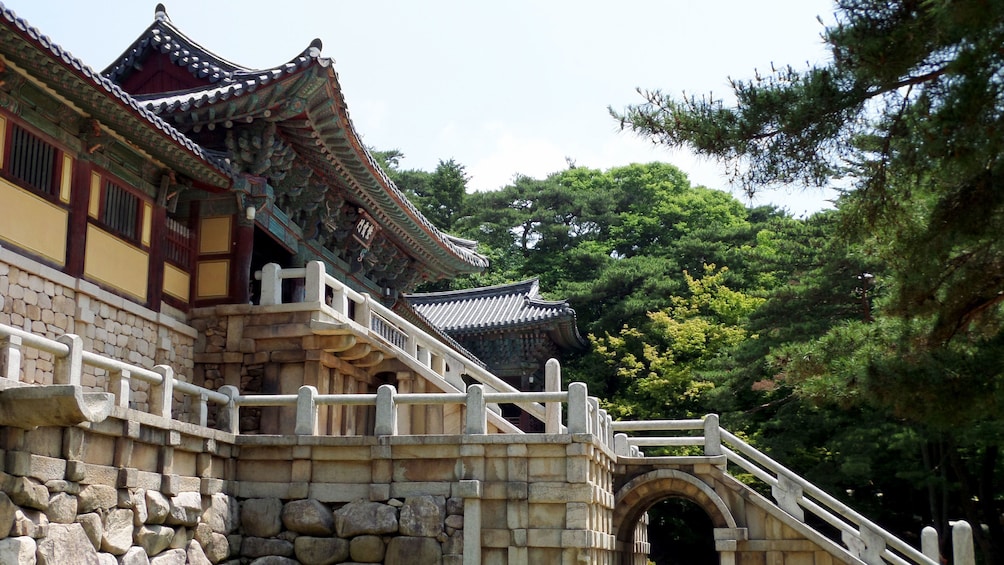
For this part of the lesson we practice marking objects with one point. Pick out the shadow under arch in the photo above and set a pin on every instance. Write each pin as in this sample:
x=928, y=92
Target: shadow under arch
x=644, y=491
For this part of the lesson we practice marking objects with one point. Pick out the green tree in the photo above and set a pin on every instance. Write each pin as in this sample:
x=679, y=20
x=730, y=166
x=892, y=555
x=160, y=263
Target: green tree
x=909, y=111
x=658, y=366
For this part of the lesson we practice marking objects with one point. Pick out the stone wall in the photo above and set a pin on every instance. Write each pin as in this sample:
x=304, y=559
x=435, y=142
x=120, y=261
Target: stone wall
x=44, y=301
x=138, y=489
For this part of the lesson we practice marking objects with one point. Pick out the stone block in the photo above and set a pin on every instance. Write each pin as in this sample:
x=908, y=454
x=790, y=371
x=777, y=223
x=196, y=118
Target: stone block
x=422, y=516
x=320, y=551
x=308, y=517
x=403, y=550
x=261, y=517
x=7, y=512
x=93, y=527
x=153, y=538
x=185, y=509
x=62, y=508
x=365, y=518
x=17, y=550
x=64, y=540
x=252, y=547
x=170, y=557
x=379, y=493
x=371, y=549
x=116, y=531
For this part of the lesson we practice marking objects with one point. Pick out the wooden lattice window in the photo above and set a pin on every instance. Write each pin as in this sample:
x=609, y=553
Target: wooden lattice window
x=32, y=161
x=121, y=211
x=180, y=243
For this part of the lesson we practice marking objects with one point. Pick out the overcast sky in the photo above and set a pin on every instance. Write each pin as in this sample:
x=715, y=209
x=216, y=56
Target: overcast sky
x=505, y=87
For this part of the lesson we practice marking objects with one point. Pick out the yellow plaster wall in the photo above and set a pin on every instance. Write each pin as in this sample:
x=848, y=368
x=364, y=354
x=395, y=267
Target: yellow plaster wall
x=176, y=282
x=213, y=279
x=33, y=223
x=116, y=263
x=214, y=235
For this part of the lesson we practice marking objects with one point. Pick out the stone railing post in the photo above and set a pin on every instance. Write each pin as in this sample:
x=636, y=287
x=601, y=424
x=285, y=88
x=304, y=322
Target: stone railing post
x=202, y=411
x=314, y=282
x=306, y=411
x=271, y=285
x=362, y=316
x=162, y=395
x=963, y=552
x=120, y=384
x=227, y=417
x=424, y=356
x=386, y=412
x=552, y=410
x=594, y=416
x=578, y=408
x=787, y=493
x=477, y=411
x=10, y=357
x=712, y=435
x=66, y=370
x=929, y=544
x=622, y=446
x=340, y=299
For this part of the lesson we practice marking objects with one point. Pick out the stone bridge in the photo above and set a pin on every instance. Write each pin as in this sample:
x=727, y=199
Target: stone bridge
x=83, y=475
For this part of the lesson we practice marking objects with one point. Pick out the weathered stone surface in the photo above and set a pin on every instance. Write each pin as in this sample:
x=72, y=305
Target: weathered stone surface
x=138, y=500
x=17, y=551
x=62, y=485
x=320, y=551
x=91, y=523
x=423, y=516
x=365, y=518
x=196, y=556
x=116, y=531
x=308, y=517
x=107, y=559
x=454, y=544
x=7, y=511
x=94, y=497
x=274, y=560
x=260, y=547
x=25, y=492
x=62, y=508
x=153, y=538
x=180, y=539
x=170, y=557
x=158, y=507
x=63, y=541
x=186, y=508
x=455, y=505
x=217, y=548
x=367, y=549
x=30, y=522
x=455, y=521
x=134, y=556
x=261, y=517
x=404, y=550
x=221, y=513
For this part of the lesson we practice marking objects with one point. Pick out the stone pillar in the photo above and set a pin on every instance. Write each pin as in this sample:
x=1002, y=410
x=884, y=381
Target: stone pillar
x=405, y=381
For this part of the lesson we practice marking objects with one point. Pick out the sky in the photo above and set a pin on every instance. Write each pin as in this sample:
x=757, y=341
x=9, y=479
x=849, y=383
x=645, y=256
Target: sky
x=503, y=87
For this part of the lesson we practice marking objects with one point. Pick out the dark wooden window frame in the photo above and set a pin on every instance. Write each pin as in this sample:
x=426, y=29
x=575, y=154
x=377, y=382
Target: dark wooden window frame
x=19, y=138
x=120, y=210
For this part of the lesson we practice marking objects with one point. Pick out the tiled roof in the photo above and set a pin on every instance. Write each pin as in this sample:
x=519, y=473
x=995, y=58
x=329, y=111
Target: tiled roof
x=506, y=306
x=306, y=85
x=99, y=83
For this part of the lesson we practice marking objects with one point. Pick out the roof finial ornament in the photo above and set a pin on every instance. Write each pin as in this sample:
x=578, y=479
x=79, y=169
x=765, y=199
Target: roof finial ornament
x=160, y=13
x=315, y=47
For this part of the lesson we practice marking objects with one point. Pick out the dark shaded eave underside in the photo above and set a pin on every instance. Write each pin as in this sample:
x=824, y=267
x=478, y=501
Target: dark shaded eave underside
x=57, y=69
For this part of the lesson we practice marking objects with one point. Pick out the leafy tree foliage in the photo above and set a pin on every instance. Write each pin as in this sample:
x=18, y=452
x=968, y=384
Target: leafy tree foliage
x=910, y=112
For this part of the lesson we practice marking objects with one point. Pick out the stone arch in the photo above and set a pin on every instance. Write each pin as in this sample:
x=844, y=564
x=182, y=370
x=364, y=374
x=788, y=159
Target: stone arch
x=644, y=491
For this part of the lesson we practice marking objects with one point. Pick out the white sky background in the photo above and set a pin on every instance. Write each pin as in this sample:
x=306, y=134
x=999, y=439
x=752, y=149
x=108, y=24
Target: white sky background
x=502, y=87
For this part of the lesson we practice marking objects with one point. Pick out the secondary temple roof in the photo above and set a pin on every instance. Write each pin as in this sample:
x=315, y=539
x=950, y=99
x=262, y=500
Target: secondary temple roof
x=501, y=307
x=303, y=102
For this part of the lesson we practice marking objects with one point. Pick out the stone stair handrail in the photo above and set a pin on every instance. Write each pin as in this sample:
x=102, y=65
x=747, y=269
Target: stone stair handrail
x=863, y=538
x=411, y=342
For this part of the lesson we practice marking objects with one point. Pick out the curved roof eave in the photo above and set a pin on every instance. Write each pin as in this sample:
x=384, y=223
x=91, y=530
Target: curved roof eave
x=103, y=100
x=333, y=136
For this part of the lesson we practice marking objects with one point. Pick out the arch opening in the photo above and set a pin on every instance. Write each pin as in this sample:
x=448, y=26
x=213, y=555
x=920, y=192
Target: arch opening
x=685, y=512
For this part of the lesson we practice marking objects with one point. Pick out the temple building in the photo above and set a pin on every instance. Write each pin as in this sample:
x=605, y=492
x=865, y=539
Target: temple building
x=179, y=209
x=510, y=327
